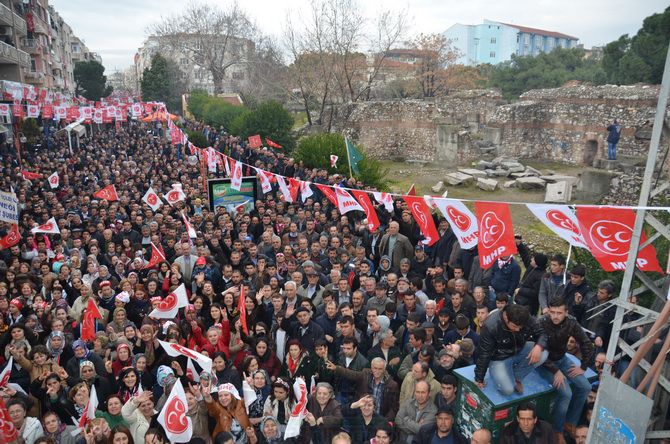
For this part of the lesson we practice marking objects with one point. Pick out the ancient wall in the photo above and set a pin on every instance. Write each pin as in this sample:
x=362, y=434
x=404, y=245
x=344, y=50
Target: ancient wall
x=564, y=124
x=568, y=124
x=418, y=129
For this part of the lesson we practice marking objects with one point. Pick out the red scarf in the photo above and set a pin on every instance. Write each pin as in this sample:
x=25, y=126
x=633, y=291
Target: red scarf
x=293, y=364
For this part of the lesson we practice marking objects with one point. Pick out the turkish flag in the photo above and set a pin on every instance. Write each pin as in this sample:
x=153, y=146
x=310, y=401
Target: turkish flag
x=422, y=215
x=29, y=175
x=107, y=193
x=175, y=195
x=496, y=233
x=328, y=192
x=88, y=321
x=366, y=203
x=177, y=424
x=608, y=232
x=8, y=432
x=157, y=256
x=242, y=308
x=272, y=144
x=12, y=238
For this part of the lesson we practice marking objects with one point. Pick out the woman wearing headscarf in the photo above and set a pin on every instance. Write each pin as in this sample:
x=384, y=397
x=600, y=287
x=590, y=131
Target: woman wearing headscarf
x=260, y=383
x=140, y=364
x=324, y=415
x=270, y=432
x=57, y=430
x=146, y=344
x=88, y=374
x=123, y=359
x=81, y=354
x=228, y=411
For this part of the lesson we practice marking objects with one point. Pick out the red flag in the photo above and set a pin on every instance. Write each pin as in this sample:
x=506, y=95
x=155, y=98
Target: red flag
x=12, y=238
x=496, y=233
x=47, y=112
x=366, y=203
x=272, y=144
x=107, y=193
x=608, y=232
x=421, y=212
x=17, y=110
x=8, y=432
x=255, y=141
x=29, y=175
x=242, y=308
x=157, y=256
x=411, y=191
x=88, y=321
x=327, y=191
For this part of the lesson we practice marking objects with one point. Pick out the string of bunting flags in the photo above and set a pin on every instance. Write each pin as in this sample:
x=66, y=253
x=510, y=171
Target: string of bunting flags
x=605, y=231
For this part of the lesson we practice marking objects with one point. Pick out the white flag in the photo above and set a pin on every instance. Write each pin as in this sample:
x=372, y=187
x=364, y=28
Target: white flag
x=173, y=349
x=305, y=190
x=346, y=202
x=191, y=372
x=152, y=199
x=249, y=394
x=170, y=305
x=281, y=181
x=298, y=412
x=461, y=220
x=561, y=220
x=177, y=425
x=51, y=227
x=176, y=194
x=53, y=180
x=236, y=180
x=191, y=231
x=333, y=161
x=266, y=186
x=385, y=199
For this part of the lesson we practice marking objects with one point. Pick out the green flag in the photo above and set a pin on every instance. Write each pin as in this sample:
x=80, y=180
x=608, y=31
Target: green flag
x=354, y=155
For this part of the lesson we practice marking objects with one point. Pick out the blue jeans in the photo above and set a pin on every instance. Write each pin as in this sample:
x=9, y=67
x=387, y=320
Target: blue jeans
x=570, y=397
x=505, y=373
x=611, y=150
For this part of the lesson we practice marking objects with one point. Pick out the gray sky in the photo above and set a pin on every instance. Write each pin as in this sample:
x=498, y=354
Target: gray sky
x=115, y=29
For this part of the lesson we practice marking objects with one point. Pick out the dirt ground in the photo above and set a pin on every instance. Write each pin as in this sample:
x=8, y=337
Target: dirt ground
x=534, y=232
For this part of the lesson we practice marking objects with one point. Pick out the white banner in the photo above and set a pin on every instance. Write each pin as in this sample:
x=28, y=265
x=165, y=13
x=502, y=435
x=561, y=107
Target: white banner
x=561, y=220
x=461, y=220
x=9, y=207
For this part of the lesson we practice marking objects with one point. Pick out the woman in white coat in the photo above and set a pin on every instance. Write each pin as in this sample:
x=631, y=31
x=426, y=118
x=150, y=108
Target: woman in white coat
x=138, y=412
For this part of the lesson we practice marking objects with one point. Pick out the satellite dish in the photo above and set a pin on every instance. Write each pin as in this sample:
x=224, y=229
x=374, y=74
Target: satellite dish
x=192, y=160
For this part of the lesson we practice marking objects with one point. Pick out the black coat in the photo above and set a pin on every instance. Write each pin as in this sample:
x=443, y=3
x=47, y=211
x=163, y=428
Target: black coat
x=529, y=289
x=426, y=433
x=557, y=341
x=496, y=342
x=314, y=332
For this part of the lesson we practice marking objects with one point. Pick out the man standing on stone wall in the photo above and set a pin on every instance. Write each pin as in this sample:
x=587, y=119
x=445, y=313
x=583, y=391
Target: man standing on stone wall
x=613, y=135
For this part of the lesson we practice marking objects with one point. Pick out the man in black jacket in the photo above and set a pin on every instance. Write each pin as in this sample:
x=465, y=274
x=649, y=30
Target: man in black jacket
x=568, y=379
x=511, y=344
x=441, y=431
x=529, y=287
x=526, y=428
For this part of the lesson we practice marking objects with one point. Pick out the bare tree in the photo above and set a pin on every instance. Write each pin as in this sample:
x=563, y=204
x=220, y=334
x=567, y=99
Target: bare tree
x=328, y=49
x=213, y=38
x=434, y=53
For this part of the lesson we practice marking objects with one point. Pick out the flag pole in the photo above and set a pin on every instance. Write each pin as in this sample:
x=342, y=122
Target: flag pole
x=346, y=145
x=567, y=264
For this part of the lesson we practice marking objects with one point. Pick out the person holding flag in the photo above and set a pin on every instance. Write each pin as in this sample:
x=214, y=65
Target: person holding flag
x=228, y=411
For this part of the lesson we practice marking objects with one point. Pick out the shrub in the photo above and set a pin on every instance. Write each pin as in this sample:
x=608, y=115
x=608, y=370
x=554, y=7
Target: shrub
x=270, y=119
x=198, y=139
x=214, y=111
x=315, y=152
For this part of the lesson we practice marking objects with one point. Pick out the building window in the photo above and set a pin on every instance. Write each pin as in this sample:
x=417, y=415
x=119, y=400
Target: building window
x=493, y=39
x=492, y=54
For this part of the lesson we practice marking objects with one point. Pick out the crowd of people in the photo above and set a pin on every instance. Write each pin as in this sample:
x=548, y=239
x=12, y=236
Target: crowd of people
x=374, y=321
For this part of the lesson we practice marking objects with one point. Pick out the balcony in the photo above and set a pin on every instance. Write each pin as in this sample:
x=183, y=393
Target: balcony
x=34, y=77
x=32, y=46
x=17, y=22
x=10, y=55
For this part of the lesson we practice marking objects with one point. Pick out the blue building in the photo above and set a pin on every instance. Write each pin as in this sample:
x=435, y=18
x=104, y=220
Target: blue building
x=495, y=42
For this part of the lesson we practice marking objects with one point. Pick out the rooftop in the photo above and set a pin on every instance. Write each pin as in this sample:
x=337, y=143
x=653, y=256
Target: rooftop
x=538, y=31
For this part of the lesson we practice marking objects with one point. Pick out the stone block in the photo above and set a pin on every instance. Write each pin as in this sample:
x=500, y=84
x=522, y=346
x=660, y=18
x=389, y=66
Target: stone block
x=487, y=184
x=555, y=178
x=500, y=173
x=472, y=172
x=509, y=184
x=524, y=174
x=532, y=171
x=560, y=192
x=530, y=183
x=484, y=165
x=458, y=178
x=437, y=187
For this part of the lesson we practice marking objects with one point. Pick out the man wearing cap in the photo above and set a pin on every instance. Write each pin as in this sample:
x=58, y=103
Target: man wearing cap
x=312, y=290
x=443, y=431
x=299, y=325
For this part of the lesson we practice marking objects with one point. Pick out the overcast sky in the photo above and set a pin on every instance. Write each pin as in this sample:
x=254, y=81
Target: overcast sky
x=115, y=29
